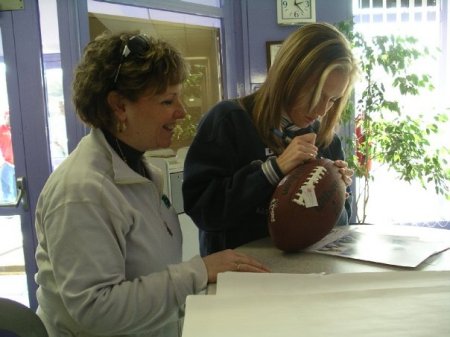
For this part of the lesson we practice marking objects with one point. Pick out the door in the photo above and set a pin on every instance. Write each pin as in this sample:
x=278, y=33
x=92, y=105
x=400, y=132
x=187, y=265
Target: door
x=30, y=90
x=25, y=161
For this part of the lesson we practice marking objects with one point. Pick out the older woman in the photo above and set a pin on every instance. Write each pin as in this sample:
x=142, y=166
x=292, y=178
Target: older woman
x=109, y=252
x=244, y=147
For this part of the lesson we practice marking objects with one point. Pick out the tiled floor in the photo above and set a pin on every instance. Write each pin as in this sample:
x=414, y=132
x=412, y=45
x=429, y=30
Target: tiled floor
x=13, y=282
x=14, y=286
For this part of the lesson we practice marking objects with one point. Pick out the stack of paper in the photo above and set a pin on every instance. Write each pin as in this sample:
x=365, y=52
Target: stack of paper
x=406, y=303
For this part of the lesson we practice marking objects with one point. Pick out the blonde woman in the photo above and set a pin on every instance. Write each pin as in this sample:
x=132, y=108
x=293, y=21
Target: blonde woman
x=244, y=147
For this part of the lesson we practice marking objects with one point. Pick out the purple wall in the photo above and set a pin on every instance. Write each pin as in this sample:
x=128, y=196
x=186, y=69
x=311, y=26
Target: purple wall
x=260, y=25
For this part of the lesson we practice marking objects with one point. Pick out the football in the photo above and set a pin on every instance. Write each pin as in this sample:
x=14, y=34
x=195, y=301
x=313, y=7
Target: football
x=306, y=205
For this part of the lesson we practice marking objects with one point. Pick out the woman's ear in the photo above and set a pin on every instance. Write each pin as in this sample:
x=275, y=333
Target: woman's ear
x=116, y=103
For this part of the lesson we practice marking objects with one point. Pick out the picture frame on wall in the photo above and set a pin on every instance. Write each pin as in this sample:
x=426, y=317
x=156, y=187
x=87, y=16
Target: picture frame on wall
x=272, y=48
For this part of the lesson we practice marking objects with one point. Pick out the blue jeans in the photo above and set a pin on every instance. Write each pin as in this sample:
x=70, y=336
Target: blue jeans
x=8, y=179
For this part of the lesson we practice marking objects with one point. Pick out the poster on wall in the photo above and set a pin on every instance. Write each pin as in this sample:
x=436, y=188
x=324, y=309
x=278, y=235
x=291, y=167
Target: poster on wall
x=272, y=48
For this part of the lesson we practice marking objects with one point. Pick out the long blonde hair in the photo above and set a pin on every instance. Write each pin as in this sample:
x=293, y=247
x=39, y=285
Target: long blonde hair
x=302, y=65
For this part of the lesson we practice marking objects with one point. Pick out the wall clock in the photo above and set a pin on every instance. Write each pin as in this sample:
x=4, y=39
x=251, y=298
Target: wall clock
x=291, y=12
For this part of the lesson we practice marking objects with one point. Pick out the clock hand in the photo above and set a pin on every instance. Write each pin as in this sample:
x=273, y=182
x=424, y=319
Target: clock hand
x=298, y=5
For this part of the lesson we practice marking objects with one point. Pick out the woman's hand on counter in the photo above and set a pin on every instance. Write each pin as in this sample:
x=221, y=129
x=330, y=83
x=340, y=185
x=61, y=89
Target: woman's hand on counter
x=230, y=260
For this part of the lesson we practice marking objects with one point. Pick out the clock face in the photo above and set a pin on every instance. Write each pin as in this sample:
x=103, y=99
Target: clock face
x=296, y=11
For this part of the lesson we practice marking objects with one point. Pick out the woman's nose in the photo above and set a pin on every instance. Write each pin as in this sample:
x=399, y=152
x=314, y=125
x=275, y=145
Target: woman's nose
x=323, y=107
x=320, y=110
x=181, y=110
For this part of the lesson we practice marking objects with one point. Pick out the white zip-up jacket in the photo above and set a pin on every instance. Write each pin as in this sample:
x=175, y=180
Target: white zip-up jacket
x=107, y=264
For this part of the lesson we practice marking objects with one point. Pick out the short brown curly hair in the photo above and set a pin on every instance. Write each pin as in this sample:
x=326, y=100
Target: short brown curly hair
x=157, y=68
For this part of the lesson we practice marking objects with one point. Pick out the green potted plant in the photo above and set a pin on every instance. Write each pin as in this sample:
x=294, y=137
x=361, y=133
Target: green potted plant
x=384, y=132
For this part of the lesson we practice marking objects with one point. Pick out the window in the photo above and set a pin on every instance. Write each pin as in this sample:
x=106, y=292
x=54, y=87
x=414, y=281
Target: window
x=53, y=76
x=392, y=200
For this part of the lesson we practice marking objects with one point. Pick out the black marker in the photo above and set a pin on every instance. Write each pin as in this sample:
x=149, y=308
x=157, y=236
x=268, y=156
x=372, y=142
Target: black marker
x=282, y=136
x=288, y=139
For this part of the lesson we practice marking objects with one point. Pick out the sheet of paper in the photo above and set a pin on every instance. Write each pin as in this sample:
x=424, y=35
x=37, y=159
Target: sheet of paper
x=362, y=243
x=407, y=312
x=243, y=284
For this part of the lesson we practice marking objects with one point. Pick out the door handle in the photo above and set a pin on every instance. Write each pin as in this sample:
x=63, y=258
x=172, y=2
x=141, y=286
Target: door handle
x=21, y=195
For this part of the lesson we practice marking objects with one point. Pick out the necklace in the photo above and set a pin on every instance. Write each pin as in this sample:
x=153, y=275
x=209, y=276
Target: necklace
x=121, y=152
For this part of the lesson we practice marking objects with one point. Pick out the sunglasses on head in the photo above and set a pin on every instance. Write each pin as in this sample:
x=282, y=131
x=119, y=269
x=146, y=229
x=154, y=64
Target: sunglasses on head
x=138, y=45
